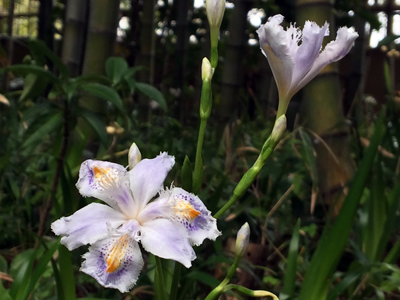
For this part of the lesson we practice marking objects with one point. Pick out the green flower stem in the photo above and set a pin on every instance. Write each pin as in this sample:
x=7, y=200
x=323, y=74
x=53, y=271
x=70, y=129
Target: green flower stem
x=248, y=292
x=214, y=57
x=250, y=175
x=282, y=107
x=205, y=111
x=175, y=281
x=198, y=165
x=216, y=292
x=159, y=280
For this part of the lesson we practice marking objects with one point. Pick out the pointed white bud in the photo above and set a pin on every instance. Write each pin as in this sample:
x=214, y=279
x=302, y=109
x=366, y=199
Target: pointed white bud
x=206, y=69
x=134, y=156
x=215, y=10
x=279, y=128
x=242, y=240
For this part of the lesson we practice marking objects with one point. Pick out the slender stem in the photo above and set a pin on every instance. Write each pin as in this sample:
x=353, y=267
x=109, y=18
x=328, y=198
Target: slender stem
x=282, y=107
x=214, y=57
x=161, y=291
x=249, y=176
x=175, y=281
x=248, y=292
x=215, y=293
x=198, y=166
x=49, y=203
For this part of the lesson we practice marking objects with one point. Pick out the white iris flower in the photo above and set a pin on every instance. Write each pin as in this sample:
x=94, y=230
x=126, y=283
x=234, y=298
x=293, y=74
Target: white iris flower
x=295, y=56
x=167, y=226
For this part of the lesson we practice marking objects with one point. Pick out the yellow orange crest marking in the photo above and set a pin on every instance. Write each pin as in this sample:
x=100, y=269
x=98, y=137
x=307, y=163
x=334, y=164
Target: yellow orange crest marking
x=99, y=172
x=103, y=176
x=186, y=209
x=116, y=254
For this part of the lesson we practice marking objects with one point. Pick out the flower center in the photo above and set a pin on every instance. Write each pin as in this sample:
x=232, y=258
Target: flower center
x=116, y=254
x=103, y=177
x=186, y=210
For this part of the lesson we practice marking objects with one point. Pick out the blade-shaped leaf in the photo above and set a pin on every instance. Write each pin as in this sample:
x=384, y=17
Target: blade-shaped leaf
x=186, y=174
x=38, y=48
x=115, y=68
x=33, y=85
x=4, y=293
x=48, y=123
x=96, y=124
x=335, y=237
x=66, y=273
x=32, y=69
x=291, y=267
x=154, y=94
x=20, y=270
x=103, y=92
x=40, y=268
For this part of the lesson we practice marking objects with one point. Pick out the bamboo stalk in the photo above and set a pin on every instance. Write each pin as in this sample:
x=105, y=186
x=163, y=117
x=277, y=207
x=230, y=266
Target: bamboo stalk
x=322, y=113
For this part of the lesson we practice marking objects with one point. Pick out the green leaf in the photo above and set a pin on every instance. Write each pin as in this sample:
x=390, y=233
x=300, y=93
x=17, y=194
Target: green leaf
x=345, y=282
x=388, y=40
x=40, y=267
x=198, y=176
x=309, y=155
x=34, y=85
x=48, y=124
x=32, y=69
x=115, y=68
x=334, y=238
x=39, y=49
x=66, y=273
x=204, y=278
x=57, y=278
x=103, y=92
x=132, y=71
x=96, y=123
x=4, y=293
x=291, y=266
x=186, y=174
x=92, y=299
x=152, y=93
x=3, y=264
x=377, y=210
x=20, y=270
x=94, y=78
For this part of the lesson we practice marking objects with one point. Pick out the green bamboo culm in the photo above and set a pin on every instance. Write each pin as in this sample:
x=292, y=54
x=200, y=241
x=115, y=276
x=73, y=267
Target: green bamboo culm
x=251, y=174
x=321, y=112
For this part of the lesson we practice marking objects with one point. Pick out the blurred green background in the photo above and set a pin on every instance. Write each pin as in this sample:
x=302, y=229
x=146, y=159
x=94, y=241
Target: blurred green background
x=84, y=79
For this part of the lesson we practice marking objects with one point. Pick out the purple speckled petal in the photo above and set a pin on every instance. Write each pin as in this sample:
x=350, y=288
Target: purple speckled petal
x=147, y=177
x=108, y=182
x=168, y=240
x=87, y=225
x=190, y=211
x=126, y=257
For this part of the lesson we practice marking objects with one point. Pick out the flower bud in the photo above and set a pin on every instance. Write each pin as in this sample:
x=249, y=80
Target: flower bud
x=206, y=69
x=134, y=156
x=215, y=10
x=242, y=240
x=279, y=128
